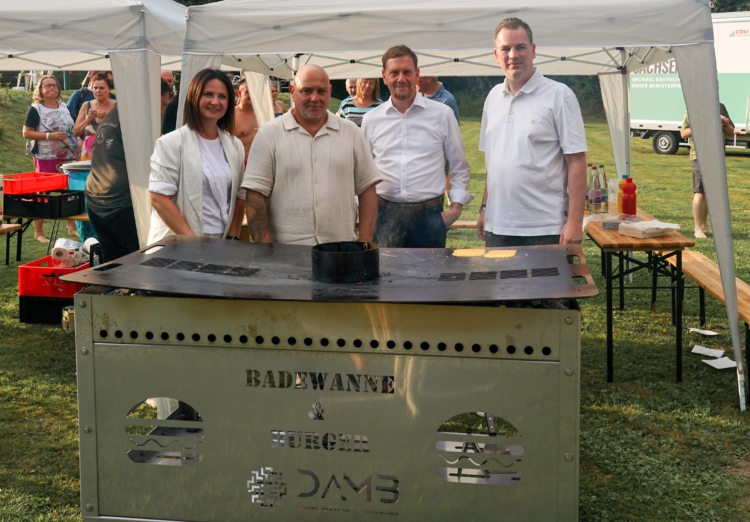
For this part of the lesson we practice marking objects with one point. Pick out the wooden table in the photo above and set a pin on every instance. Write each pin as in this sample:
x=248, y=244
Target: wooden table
x=20, y=226
x=660, y=249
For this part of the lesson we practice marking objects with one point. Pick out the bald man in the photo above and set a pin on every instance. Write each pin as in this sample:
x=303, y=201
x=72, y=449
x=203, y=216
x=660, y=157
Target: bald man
x=245, y=122
x=305, y=169
x=168, y=77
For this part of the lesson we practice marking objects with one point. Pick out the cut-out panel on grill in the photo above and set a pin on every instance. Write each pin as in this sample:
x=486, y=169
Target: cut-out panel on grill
x=452, y=276
x=482, y=276
x=174, y=445
x=545, y=272
x=513, y=274
x=490, y=450
x=159, y=262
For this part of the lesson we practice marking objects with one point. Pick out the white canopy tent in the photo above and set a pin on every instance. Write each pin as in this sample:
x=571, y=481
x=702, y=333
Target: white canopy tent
x=135, y=39
x=454, y=37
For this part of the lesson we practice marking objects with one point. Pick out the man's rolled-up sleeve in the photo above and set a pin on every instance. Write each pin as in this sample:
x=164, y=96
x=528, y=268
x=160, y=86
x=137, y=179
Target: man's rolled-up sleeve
x=366, y=172
x=259, y=173
x=458, y=164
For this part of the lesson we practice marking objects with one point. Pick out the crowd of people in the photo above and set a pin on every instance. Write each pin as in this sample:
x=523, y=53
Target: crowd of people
x=309, y=176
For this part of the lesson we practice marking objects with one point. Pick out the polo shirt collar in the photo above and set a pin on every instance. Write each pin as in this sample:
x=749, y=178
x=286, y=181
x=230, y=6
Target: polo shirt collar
x=530, y=85
x=290, y=123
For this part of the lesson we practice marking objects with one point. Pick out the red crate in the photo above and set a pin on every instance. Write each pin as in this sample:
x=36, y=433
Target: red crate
x=41, y=278
x=28, y=182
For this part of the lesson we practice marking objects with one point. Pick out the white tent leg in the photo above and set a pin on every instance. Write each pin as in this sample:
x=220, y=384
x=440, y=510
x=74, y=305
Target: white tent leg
x=136, y=75
x=700, y=87
x=259, y=87
x=191, y=64
x=614, y=90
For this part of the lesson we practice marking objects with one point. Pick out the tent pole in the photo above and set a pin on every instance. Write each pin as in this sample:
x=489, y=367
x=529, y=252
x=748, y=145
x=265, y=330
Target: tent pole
x=625, y=109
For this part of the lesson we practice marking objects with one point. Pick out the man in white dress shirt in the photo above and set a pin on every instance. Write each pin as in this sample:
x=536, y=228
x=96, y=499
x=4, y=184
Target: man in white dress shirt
x=412, y=138
x=535, y=151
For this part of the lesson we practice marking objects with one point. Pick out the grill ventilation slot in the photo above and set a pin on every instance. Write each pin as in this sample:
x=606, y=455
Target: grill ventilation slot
x=513, y=274
x=159, y=262
x=203, y=268
x=545, y=272
x=188, y=266
x=482, y=276
x=452, y=276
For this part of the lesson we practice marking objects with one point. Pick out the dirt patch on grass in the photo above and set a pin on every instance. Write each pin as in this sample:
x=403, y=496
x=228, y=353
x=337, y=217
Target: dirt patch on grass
x=740, y=469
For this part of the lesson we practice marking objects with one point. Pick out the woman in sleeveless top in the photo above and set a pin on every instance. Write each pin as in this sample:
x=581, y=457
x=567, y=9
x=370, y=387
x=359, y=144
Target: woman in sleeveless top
x=366, y=99
x=49, y=123
x=92, y=113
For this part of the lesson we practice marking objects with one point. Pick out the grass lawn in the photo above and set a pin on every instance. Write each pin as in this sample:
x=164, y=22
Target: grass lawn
x=651, y=450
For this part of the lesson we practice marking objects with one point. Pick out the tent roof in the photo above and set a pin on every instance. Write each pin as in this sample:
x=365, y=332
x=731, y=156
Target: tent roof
x=452, y=37
x=59, y=34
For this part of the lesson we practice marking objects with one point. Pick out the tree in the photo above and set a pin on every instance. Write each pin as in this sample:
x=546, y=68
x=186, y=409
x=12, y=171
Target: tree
x=730, y=6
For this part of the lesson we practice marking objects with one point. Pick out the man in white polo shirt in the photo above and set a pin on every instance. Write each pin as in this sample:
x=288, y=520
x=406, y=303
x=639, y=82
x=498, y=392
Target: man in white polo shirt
x=534, y=143
x=412, y=138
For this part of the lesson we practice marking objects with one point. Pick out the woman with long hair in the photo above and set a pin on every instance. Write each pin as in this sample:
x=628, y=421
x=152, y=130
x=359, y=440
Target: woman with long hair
x=93, y=112
x=49, y=123
x=366, y=99
x=196, y=171
x=278, y=106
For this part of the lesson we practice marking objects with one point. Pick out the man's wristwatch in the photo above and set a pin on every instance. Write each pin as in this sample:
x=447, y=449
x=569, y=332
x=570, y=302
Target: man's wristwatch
x=482, y=207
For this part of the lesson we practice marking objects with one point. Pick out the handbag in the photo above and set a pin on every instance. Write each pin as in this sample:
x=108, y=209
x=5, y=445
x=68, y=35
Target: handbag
x=31, y=147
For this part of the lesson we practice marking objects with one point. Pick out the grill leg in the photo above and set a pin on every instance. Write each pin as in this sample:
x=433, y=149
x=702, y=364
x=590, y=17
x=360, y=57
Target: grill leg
x=702, y=304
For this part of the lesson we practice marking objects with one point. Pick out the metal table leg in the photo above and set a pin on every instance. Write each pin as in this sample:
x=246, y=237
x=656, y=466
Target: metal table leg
x=610, y=351
x=672, y=271
x=747, y=359
x=653, y=261
x=621, y=269
x=702, y=305
x=19, y=240
x=678, y=314
x=53, y=235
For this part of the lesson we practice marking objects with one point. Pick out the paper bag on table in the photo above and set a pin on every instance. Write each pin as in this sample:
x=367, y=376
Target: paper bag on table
x=646, y=229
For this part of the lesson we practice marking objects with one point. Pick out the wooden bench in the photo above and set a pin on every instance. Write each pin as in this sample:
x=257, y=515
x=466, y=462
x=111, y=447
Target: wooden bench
x=705, y=273
x=8, y=228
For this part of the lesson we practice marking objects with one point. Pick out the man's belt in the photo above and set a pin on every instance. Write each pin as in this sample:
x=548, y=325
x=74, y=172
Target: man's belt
x=411, y=207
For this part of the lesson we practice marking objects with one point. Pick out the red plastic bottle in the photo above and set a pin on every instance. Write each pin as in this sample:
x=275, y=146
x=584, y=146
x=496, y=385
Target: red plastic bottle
x=628, y=197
